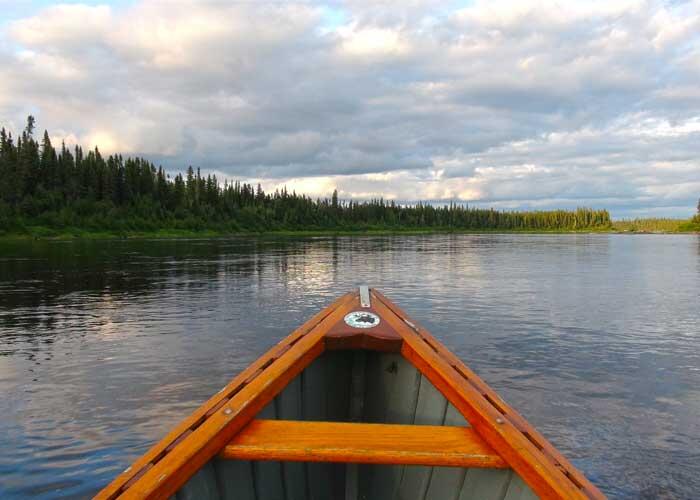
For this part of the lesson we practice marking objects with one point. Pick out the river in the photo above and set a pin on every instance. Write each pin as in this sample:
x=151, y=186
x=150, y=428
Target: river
x=595, y=339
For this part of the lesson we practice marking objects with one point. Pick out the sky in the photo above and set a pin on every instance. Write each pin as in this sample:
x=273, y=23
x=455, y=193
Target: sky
x=513, y=105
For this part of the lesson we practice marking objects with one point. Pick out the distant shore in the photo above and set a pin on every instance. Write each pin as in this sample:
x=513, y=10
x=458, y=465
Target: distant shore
x=45, y=233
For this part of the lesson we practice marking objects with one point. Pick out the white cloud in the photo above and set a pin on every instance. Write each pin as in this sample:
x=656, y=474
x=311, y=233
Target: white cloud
x=526, y=104
x=64, y=26
x=372, y=41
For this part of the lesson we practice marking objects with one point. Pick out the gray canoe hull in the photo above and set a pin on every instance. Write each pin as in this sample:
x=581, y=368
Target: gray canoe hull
x=355, y=386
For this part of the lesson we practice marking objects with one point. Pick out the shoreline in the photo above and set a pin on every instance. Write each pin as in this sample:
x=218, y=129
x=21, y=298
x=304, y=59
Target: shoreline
x=45, y=234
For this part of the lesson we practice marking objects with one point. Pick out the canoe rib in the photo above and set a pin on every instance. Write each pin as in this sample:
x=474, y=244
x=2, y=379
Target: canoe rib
x=362, y=443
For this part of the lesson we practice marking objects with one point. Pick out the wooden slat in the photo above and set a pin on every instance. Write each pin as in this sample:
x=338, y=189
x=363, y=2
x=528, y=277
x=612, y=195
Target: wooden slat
x=357, y=402
x=430, y=410
x=235, y=479
x=215, y=422
x=486, y=484
x=545, y=471
x=338, y=379
x=269, y=483
x=518, y=490
x=201, y=486
x=288, y=440
x=289, y=408
x=315, y=396
x=446, y=481
x=391, y=398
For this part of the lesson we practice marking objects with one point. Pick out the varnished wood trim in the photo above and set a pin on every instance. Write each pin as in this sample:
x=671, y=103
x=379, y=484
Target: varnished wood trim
x=510, y=435
x=361, y=443
x=363, y=341
x=381, y=337
x=171, y=461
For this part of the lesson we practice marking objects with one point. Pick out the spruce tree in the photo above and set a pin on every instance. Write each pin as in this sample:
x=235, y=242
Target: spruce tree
x=49, y=163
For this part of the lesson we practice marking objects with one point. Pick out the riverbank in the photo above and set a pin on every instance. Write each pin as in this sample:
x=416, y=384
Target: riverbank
x=46, y=233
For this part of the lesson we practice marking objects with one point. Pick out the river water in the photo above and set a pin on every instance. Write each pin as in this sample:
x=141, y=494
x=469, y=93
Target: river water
x=595, y=339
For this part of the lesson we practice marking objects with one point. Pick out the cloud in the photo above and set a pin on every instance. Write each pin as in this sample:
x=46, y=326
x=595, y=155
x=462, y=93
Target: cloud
x=513, y=105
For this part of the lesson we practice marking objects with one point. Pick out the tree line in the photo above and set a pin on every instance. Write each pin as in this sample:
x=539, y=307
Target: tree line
x=61, y=187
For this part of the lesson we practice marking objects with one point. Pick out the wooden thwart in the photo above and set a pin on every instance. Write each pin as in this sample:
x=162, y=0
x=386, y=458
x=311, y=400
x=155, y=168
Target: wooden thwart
x=288, y=440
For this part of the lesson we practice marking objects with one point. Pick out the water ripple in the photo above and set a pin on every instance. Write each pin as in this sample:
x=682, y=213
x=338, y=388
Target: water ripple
x=594, y=338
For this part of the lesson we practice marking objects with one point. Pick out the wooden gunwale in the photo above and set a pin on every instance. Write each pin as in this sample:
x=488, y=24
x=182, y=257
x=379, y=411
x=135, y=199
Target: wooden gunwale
x=540, y=465
x=171, y=461
x=346, y=442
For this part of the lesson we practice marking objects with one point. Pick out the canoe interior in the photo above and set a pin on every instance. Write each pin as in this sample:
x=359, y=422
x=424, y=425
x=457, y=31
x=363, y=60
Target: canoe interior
x=355, y=386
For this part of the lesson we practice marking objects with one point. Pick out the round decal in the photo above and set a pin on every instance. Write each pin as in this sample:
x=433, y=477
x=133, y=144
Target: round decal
x=361, y=319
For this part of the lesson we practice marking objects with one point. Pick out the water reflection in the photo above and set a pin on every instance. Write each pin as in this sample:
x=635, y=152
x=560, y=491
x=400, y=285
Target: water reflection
x=104, y=345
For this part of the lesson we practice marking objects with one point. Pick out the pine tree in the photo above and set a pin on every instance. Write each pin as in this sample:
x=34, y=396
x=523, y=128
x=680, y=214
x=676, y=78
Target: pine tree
x=29, y=168
x=49, y=162
x=29, y=129
x=179, y=193
x=334, y=199
x=191, y=187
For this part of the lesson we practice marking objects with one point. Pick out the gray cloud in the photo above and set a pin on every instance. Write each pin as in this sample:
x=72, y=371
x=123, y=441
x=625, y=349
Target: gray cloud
x=498, y=104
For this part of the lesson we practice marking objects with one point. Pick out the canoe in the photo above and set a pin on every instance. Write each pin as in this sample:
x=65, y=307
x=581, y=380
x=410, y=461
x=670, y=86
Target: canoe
x=360, y=402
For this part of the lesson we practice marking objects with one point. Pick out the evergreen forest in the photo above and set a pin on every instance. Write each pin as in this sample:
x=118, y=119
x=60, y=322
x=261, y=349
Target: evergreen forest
x=62, y=188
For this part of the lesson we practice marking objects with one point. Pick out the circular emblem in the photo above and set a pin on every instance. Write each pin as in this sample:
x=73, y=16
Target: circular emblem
x=361, y=319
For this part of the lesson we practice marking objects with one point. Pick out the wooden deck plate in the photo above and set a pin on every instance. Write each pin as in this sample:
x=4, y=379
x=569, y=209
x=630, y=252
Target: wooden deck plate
x=382, y=337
